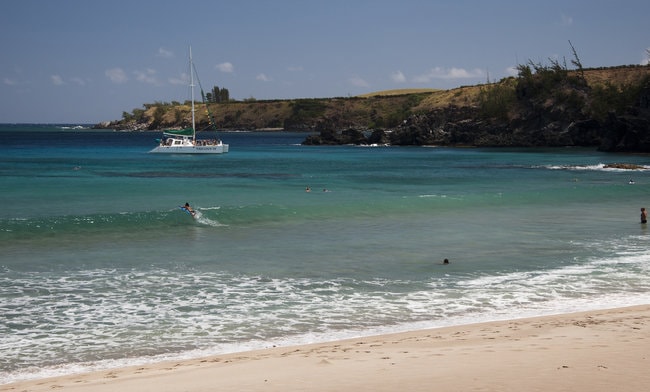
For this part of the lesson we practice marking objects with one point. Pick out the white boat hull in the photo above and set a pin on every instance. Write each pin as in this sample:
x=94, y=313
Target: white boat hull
x=214, y=149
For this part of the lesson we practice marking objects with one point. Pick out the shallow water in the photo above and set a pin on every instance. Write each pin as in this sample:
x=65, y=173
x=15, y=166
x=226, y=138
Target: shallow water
x=100, y=268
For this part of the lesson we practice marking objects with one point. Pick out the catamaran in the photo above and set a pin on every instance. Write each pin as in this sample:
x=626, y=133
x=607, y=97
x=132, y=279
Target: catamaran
x=184, y=141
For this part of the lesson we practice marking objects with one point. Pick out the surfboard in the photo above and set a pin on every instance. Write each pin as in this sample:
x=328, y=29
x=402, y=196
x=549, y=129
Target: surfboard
x=186, y=211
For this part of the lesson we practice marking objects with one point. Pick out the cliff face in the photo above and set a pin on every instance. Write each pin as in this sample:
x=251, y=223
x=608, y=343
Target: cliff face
x=558, y=111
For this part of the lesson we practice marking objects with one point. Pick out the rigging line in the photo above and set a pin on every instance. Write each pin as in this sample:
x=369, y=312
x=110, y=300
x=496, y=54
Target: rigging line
x=211, y=121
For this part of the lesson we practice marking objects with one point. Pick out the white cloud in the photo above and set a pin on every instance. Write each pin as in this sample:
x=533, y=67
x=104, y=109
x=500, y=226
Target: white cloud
x=116, y=75
x=567, y=20
x=183, y=79
x=398, y=77
x=512, y=71
x=358, y=82
x=226, y=67
x=295, y=69
x=78, y=81
x=162, y=52
x=448, y=73
x=263, y=78
x=9, y=82
x=57, y=80
x=148, y=76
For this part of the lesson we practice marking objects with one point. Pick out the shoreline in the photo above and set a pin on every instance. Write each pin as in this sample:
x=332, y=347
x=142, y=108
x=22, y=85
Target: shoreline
x=599, y=350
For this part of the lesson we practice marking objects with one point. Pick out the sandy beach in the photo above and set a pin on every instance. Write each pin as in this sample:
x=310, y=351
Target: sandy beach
x=591, y=351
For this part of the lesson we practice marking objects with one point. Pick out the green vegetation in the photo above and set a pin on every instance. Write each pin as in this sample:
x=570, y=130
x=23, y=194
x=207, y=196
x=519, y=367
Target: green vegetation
x=538, y=87
x=217, y=95
x=158, y=114
x=608, y=97
x=550, y=89
x=496, y=100
x=303, y=109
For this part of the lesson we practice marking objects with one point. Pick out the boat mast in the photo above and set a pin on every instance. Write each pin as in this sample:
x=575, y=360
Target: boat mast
x=192, y=93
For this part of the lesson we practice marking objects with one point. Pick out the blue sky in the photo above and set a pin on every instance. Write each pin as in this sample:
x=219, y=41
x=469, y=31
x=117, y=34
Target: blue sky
x=80, y=61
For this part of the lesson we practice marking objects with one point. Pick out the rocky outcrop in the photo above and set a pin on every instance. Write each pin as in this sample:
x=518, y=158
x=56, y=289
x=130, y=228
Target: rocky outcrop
x=328, y=134
x=531, y=125
x=631, y=131
x=624, y=166
x=619, y=133
x=126, y=125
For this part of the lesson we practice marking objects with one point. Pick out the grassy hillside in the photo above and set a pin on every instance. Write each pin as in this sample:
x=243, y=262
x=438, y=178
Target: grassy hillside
x=382, y=109
x=403, y=91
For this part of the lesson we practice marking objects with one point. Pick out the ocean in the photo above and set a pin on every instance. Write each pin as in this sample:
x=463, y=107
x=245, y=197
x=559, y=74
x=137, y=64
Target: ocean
x=99, y=267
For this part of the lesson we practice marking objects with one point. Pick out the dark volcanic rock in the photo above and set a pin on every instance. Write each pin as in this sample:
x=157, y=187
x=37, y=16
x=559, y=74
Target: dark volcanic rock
x=624, y=166
x=549, y=127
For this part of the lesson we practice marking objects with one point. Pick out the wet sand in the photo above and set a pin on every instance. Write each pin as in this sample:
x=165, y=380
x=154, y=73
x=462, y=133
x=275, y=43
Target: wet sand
x=607, y=350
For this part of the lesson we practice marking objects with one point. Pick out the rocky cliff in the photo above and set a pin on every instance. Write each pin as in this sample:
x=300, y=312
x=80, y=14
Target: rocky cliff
x=558, y=111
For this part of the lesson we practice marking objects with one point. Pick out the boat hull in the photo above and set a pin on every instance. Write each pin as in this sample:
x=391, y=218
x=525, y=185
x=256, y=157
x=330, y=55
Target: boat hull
x=216, y=149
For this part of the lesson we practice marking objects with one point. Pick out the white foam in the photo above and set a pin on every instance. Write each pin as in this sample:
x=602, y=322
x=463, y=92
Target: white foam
x=137, y=313
x=200, y=218
x=596, y=167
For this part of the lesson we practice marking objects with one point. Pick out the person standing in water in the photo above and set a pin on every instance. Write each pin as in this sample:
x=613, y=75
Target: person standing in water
x=644, y=215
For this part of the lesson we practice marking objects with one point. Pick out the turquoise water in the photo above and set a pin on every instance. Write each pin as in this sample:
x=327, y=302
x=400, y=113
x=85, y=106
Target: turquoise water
x=100, y=268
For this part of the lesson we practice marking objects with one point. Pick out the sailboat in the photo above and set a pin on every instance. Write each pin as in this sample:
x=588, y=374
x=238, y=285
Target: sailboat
x=184, y=141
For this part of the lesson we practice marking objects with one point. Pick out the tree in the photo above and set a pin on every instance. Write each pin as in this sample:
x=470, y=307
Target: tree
x=576, y=61
x=224, y=95
x=217, y=95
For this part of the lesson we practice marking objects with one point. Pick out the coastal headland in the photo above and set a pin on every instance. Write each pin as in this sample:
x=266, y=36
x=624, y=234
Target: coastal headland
x=544, y=106
x=595, y=351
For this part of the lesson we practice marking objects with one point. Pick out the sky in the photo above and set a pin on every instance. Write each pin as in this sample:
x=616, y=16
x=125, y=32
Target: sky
x=84, y=62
